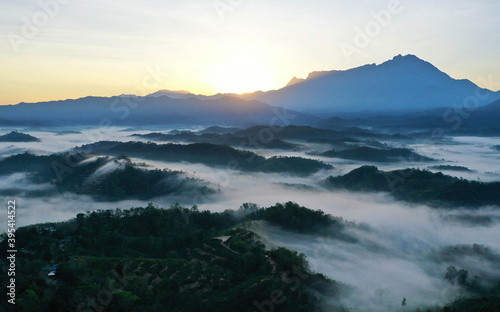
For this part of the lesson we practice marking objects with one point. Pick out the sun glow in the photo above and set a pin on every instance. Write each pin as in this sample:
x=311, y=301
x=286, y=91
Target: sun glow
x=243, y=76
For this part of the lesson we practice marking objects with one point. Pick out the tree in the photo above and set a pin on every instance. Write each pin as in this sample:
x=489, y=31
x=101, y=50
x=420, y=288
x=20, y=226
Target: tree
x=451, y=274
x=462, y=277
x=29, y=301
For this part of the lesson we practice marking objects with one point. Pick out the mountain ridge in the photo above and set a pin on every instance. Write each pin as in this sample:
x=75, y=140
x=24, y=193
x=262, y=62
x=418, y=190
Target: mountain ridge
x=402, y=83
x=123, y=110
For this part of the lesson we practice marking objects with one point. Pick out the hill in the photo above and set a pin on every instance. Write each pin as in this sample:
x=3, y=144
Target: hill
x=219, y=130
x=451, y=168
x=103, y=178
x=224, y=139
x=210, y=155
x=419, y=186
x=371, y=154
x=137, y=111
x=154, y=259
x=15, y=136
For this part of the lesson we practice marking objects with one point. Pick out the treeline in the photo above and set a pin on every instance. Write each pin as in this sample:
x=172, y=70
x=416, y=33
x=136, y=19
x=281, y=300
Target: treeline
x=250, y=142
x=365, y=153
x=291, y=216
x=419, y=186
x=451, y=168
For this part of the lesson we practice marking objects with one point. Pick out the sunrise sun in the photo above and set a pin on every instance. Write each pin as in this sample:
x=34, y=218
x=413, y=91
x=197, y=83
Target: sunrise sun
x=241, y=76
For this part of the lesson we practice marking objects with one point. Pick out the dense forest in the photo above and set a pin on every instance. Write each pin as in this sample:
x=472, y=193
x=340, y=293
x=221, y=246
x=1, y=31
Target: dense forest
x=210, y=155
x=82, y=173
x=226, y=139
x=154, y=259
x=180, y=259
x=371, y=154
x=419, y=186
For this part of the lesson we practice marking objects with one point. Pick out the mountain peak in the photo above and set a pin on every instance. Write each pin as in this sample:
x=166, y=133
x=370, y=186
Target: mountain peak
x=294, y=81
x=319, y=74
x=181, y=94
x=407, y=59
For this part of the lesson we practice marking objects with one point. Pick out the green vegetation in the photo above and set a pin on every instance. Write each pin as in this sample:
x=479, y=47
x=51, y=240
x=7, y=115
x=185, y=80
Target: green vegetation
x=292, y=217
x=210, y=155
x=419, y=186
x=15, y=136
x=486, y=301
x=153, y=259
x=312, y=134
x=482, y=304
x=451, y=168
x=27, y=162
x=219, y=130
x=224, y=139
x=371, y=154
x=290, y=132
x=79, y=173
x=295, y=218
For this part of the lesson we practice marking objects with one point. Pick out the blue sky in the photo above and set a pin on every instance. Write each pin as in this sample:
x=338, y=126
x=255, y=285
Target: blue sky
x=113, y=47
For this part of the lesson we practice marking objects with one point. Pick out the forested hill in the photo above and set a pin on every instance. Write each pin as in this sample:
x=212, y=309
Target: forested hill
x=152, y=259
x=15, y=136
x=210, y=155
x=103, y=178
x=365, y=153
x=419, y=186
x=179, y=259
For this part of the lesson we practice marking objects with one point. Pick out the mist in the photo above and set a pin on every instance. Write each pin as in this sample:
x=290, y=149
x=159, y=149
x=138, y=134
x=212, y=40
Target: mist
x=398, y=252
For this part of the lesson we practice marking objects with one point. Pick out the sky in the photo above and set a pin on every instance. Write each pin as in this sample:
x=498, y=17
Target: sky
x=60, y=49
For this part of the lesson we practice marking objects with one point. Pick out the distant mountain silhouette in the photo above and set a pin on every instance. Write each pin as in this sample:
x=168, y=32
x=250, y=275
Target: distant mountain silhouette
x=173, y=94
x=151, y=110
x=403, y=83
x=483, y=120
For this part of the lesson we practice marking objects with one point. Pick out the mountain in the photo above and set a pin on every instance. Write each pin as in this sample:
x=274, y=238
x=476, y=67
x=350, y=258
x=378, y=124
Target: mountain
x=481, y=120
x=149, y=110
x=182, y=94
x=403, y=83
